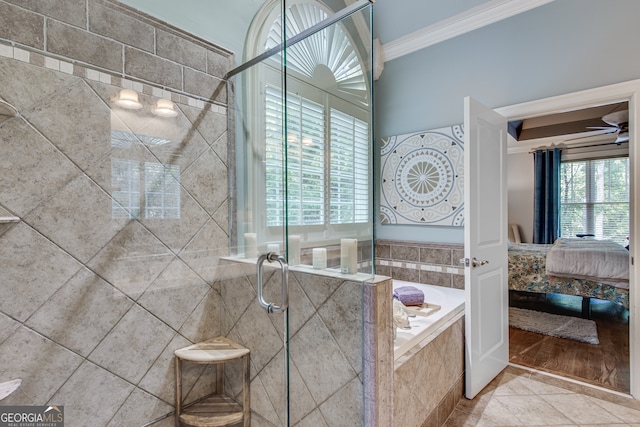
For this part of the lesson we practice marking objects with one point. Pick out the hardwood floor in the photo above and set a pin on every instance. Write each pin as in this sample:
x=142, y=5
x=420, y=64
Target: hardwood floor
x=605, y=365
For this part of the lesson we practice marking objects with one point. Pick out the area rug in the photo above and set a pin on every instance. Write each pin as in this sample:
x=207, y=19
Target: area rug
x=554, y=325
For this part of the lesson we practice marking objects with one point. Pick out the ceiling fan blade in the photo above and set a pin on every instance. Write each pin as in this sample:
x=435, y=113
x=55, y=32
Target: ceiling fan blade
x=609, y=128
x=622, y=137
x=595, y=133
x=616, y=118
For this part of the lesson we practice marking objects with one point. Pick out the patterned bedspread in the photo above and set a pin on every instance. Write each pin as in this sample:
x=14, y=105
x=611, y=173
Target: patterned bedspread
x=527, y=272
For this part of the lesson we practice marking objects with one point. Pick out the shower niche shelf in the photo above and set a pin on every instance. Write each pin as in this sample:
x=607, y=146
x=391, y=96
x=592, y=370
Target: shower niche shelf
x=7, y=219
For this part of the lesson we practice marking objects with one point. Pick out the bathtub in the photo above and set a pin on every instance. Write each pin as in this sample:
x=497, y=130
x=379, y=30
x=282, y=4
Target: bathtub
x=426, y=328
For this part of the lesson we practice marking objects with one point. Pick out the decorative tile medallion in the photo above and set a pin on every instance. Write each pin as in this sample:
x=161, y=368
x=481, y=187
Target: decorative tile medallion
x=422, y=178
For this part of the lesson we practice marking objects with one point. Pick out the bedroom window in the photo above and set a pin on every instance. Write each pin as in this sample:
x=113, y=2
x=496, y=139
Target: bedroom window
x=594, y=198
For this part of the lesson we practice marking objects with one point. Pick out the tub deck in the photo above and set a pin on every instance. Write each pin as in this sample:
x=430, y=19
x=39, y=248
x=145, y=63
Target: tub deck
x=426, y=323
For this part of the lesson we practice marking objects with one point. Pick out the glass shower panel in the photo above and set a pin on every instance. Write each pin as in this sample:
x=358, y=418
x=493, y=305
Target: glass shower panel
x=258, y=228
x=329, y=145
x=301, y=186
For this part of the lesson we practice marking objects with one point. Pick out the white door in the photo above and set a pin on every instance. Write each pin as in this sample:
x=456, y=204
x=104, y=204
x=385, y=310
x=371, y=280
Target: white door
x=485, y=246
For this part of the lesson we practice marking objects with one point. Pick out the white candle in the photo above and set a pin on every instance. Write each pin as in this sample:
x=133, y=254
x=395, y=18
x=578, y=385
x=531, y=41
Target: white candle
x=319, y=258
x=294, y=250
x=349, y=256
x=273, y=247
x=250, y=245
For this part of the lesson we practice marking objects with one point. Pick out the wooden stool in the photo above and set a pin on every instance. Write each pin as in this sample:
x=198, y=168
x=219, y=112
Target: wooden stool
x=216, y=410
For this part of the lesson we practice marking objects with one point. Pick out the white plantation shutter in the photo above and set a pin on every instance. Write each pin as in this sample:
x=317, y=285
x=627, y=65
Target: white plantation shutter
x=305, y=160
x=274, y=158
x=349, y=202
x=348, y=189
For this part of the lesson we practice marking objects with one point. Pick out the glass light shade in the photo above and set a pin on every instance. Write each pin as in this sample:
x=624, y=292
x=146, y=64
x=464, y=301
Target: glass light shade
x=128, y=98
x=164, y=108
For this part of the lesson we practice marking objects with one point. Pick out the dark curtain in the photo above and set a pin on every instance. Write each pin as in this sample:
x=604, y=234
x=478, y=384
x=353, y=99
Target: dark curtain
x=546, y=204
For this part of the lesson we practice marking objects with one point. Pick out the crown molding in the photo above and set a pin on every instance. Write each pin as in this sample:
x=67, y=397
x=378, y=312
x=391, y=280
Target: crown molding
x=472, y=19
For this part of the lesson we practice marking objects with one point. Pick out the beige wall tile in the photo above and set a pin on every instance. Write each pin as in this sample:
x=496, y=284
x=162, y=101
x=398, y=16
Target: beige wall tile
x=21, y=26
x=174, y=295
x=435, y=256
x=55, y=365
x=435, y=278
x=77, y=122
x=205, y=173
x=7, y=327
x=342, y=314
x=319, y=360
x=72, y=12
x=139, y=406
x=139, y=335
x=25, y=289
x=113, y=392
x=152, y=68
x=180, y=50
x=80, y=206
x=24, y=189
x=258, y=332
x=160, y=379
x=219, y=65
x=25, y=85
x=203, y=251
x=405, y=253
x=212, y=126
x=83, y=46
x=407, y=274
x=342, y=408
x=112, y=23
x=81, y=313
x=132, y=260
x=205, y=85
x=204, y=321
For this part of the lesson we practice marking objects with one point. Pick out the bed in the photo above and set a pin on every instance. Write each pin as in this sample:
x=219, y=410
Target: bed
x=528, y=273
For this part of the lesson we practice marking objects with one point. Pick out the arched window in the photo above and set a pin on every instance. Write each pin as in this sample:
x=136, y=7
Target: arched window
x=327, y=126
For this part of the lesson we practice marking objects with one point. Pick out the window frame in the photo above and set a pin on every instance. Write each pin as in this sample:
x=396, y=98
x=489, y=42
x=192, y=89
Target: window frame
x=311, y=234
x=590, y=206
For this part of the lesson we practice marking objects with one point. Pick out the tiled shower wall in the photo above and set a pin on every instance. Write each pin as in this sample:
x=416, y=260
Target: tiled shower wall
x=429, y=263
x=123, y=215
x=340, y=346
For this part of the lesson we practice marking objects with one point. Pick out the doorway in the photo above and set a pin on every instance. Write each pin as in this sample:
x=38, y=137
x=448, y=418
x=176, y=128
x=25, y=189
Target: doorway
x=600, y=96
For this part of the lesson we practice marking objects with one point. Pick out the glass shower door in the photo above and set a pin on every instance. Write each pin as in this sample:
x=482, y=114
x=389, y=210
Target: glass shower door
x=302, y=130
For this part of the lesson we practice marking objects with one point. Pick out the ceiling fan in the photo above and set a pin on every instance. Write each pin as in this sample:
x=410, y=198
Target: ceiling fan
x=618, y=122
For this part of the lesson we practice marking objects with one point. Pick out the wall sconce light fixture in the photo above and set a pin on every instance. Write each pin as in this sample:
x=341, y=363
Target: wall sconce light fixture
x=128, y=98
x=164, y=108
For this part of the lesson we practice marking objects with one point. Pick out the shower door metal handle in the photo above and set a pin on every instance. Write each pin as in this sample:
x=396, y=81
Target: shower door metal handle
x=284, y=268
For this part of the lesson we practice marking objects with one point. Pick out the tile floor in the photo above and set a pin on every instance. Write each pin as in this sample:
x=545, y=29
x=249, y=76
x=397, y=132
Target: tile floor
x=518, y=397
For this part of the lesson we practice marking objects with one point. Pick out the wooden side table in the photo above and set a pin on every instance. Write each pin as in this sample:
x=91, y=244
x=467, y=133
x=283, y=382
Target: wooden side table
x=216, y=410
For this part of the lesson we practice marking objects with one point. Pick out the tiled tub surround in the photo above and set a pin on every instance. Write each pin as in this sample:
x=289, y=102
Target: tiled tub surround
x=428, y=263
x=429, y=379
x=97, y=295
x=340, y=344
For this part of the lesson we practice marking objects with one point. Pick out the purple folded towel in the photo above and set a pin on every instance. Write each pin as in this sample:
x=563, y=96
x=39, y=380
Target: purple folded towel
x=409, y=295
